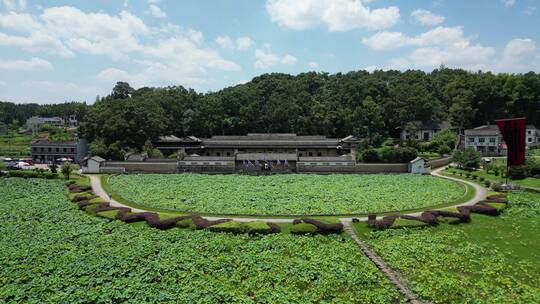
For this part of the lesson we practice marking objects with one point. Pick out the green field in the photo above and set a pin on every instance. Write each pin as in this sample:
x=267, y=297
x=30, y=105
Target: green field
x=490, y=260
x=51, y=252
x=286, y=194
x=15, y=145
x=528, y=181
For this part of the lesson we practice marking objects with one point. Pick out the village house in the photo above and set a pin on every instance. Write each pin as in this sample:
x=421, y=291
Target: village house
x=48, y=151
x=488, y=140
x=34, y=123
x=424, y=131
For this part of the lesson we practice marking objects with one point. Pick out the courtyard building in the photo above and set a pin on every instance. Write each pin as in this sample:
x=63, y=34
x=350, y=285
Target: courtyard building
x=48, y=151
x=259, y=145
x=424, y=131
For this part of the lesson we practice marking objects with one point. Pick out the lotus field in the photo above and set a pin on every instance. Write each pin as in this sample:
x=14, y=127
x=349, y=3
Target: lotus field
x=51, y=252
x=286, y=194
x=490, y=260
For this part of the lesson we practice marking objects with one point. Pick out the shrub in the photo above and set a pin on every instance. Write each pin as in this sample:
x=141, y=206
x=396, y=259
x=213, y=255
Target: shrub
x=274, y=227
x=296, y=221
x=325, y=227
x=468, y=175
x=487, y=184
x=186, y=223
x=370, y=156
x=231, y=227
x=484, y=209
x=303, y=228
x=517, y=172
x=257, y=228
x=444, y=149
x=496, y=186
x=454, y=172
x=481, y=179
x=474, y=176
x=201, y=223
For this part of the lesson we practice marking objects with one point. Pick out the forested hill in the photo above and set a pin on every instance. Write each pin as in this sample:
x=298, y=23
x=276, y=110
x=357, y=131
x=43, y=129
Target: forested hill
x=359, y=103
x=17, y=114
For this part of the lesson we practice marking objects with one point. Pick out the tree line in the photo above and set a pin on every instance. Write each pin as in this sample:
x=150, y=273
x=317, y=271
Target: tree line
x=368, y=105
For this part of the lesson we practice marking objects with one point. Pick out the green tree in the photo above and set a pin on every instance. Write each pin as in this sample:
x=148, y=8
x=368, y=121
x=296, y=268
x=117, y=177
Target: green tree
x=67, y=168
x=122, y=90
x=467, y=159
x=445, y=137
x=461, y=112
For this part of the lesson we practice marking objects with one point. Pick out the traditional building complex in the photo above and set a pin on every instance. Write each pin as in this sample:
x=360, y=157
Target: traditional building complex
x=257, y=146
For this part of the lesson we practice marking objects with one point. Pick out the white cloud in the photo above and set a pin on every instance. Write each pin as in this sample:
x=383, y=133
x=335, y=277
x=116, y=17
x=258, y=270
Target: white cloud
x=15, y=4
x=265, y=58
x=335, y=15
x=426, y=17
x=441, y=36
x=519, y=54
x=441, y=45
x=168, y=55
x=508, y=3
x=244, y=43
x=33, y=64
x=386, y=40
x=313, y=64
x=225, y=42
x=519, y=48
x=66, y=30
x=288, y=59
x=156, y=11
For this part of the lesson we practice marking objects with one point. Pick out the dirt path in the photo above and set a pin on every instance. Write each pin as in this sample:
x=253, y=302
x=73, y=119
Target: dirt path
x=98, y=190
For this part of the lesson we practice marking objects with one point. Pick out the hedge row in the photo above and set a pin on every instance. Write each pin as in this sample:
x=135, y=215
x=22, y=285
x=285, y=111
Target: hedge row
x=29, y=174
x=493, y=205
x=88, y=201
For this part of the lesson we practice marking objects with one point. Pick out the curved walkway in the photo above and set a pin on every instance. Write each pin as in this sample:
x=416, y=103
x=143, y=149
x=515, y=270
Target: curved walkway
x=480, y=195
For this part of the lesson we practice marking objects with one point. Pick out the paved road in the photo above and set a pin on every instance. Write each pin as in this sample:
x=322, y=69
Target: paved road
x=98, y=190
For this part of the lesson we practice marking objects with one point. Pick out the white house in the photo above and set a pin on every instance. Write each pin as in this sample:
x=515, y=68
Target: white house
x=419, y=166
x=424, y=131
x=92, y=165
x=488, y=140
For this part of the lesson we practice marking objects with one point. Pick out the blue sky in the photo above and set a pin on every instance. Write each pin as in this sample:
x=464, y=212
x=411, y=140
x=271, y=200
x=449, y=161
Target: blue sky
x=55, y=51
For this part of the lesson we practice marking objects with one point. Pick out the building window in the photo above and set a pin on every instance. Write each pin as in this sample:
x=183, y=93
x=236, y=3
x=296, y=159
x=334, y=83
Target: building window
x=65, y=150
x=530, y=139
x=228, y=153
x=416, y=136
x=50, y=149
x=319, y=153
x=310, y=153
x=218, y=153
x=57, y=150
x=491, y=149
x=471, y=139
x=72, y=150
x=529, y=132
x=207, y=153
x=481, y=139
x=301, y=154
x=426, y=135
x=407, y=137
x=492, y=139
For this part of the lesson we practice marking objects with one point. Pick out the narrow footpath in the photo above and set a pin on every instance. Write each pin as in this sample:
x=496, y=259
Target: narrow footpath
x=392, y=275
